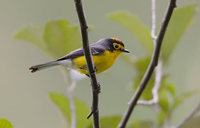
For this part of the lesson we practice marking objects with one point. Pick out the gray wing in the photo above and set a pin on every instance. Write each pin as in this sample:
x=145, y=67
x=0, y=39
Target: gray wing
x=79, y=52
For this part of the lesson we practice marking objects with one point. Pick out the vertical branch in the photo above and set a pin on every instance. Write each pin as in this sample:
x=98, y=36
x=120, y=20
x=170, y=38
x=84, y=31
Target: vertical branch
x=70, y=90
x=72, y=105
x=90, y=65
x=151, y=67
x=158, y=79
x=158, y=72
x=153, y=27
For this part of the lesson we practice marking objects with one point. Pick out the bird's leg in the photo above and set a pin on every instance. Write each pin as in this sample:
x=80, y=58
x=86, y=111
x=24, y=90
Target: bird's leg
x=82, y=67
x=95, y=68
x=98, y=83
x=98, y=89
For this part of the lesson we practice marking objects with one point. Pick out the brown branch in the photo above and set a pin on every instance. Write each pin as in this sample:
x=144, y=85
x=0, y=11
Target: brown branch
x=151, y=67
x=90, y=65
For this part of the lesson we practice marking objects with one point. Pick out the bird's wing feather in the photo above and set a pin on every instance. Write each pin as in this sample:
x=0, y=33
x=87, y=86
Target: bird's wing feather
x=97, y=50
x=79, y=52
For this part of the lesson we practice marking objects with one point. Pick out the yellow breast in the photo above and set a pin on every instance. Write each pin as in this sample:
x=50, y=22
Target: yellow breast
x=102, y=62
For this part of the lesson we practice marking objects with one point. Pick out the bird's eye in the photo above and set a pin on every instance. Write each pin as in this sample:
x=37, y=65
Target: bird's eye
x=116, y=46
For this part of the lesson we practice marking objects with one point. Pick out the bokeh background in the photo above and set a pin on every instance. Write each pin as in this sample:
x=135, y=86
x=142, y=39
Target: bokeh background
x=24, y=96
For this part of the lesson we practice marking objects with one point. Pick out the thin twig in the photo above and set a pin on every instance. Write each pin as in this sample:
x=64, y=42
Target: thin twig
x=158, y=70
x=70, y=90
x=158, y=79
x=72, y=106
x=151, y=67
x=153, y=27
x=90, y=65
x=190, y=116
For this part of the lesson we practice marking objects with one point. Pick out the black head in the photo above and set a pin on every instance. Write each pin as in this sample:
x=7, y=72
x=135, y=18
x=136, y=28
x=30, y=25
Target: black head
x=113, y=44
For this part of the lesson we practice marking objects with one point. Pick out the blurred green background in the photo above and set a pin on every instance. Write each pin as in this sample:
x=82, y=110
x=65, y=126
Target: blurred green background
x=24, y=96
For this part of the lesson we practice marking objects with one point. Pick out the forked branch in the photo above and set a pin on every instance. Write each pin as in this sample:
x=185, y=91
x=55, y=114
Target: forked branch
x=151, y=67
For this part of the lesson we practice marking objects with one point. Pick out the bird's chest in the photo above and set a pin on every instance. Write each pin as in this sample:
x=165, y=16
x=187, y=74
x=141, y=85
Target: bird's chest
x=102, y=62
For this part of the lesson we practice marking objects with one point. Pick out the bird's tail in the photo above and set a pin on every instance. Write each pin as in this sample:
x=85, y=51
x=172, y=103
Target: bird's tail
x=43, y=66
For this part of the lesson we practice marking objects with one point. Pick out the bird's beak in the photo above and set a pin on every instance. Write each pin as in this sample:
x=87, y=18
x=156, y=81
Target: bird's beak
x=125, y=50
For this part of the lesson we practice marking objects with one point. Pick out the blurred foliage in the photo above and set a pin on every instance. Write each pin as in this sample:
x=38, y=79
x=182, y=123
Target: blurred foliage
x=180, y=99
x=59, y=37
x=168, y=99
x=64, y=105
x=136, y=27
x=4, y=123
x=141, y=124
x=109, y=122
x=193, y=123
x=180, y=21
x=141, y=65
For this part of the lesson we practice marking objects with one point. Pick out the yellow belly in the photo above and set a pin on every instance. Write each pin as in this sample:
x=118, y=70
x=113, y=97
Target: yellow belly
x=102, y=62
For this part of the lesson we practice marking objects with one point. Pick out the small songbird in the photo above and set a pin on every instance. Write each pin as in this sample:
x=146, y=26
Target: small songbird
x=104, y=53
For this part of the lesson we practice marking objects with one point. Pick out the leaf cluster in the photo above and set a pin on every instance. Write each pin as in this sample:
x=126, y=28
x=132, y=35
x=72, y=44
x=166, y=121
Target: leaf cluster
x=58, y=38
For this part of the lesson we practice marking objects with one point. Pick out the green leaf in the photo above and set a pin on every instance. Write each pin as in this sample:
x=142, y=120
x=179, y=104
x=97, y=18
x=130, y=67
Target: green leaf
x=180, y=99
x=32, y=34
x=192, y=123
x=63, y=104
x=82, y=111
x=135, y=26
x=170, y=87
x=4, y=123
x=180, y=21
x=162, y=115
x=110, y=121
x=141, y=64
x=164, y=99
x=61, y=37
x=166, y=93
x=141, y=124
x=58, y=38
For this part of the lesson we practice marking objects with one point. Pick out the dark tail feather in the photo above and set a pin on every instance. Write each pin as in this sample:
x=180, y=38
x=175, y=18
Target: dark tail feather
x=33, y=69
x=43, y=66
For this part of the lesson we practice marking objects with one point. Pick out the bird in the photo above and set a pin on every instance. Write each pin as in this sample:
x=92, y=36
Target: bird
x=104, y=53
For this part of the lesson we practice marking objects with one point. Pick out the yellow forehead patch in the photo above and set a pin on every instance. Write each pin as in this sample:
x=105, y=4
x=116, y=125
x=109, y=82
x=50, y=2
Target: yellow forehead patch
x=116, y=39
